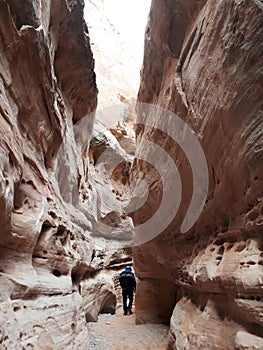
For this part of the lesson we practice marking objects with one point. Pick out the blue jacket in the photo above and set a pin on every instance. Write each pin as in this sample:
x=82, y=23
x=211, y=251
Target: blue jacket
x=127, y=281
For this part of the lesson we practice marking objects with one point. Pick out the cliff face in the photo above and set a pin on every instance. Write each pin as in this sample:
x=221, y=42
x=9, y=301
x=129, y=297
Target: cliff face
x=203, y=61
x=47, y=84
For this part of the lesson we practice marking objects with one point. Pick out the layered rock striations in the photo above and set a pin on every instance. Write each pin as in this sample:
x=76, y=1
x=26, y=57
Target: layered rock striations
x=52, y=275
x=46, y=75
x=203, y=61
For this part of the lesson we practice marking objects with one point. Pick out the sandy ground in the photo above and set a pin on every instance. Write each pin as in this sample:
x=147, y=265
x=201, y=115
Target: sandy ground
x=118, y=332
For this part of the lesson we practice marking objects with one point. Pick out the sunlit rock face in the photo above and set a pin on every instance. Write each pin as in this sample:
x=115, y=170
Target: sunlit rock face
x=116, y=33
x=47, y=84
x=203, y=61
x=57, y=269
x=112, y=148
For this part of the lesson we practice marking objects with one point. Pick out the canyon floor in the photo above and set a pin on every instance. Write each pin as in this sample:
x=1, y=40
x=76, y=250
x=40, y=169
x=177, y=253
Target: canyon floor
x=117, y=332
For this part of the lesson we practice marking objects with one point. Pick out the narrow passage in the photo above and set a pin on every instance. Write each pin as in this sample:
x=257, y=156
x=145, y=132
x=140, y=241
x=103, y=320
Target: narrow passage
x=118, y=332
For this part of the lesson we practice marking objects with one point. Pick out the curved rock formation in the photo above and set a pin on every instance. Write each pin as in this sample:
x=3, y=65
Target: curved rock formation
x=47, y=199
x=203, y=61
x=55, y=272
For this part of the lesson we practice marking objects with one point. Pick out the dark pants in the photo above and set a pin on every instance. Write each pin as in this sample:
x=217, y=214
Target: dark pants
x=127, y=294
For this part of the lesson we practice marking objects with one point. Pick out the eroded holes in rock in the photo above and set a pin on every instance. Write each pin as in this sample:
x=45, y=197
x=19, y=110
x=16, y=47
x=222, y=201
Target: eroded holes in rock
x=126, y=173
x=71, y=235
x=93, y=254
x=219, y=242
x=46, y=226
x=250, y=262
x=62, y=234
x=253, y=215
x=52, y=214
x=230, y=246
x=251, y=297
x=240, y=247
x=31, y=183
x=109, y=305
x=56, y=273
x=221, y=250
x=260, y=262
x=2, y=340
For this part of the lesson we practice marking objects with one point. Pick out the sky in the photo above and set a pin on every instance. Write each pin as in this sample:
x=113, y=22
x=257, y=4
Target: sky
x=116, y=29
x=130, y=17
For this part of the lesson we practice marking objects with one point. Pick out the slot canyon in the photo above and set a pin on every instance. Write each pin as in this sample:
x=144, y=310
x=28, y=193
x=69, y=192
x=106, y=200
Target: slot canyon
x=150, y=156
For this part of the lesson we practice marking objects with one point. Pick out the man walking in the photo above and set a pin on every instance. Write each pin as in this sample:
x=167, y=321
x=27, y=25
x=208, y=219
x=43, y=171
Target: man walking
x=128, y=285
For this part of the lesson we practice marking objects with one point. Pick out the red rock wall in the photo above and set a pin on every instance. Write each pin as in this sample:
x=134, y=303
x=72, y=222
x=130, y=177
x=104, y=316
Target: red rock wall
x=203, y=61
x=47, y=83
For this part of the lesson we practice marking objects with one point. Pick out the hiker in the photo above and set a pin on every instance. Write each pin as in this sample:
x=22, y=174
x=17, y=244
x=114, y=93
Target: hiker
x=128, y=285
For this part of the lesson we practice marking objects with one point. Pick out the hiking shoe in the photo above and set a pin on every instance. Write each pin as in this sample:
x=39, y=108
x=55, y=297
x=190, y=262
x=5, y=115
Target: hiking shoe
x=125, y=313
x=130, y=312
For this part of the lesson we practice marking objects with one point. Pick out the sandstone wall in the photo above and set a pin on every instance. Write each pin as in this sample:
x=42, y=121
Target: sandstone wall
x=203, y=61
x=48, y=204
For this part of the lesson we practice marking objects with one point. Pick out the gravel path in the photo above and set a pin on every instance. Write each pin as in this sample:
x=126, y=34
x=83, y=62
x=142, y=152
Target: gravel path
x=118, y=332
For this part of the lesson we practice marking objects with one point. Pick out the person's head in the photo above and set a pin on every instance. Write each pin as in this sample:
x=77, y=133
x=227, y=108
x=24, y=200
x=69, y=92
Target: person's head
x=127, y=269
